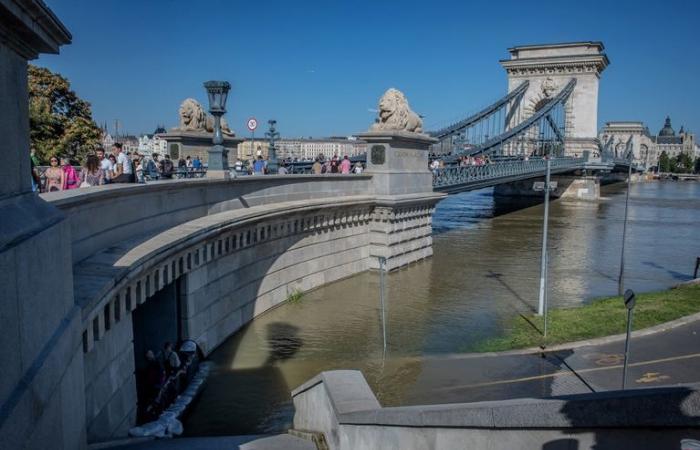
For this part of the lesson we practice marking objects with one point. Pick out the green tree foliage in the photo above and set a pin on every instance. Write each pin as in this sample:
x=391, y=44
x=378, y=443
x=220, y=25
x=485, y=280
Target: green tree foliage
x=60, y=123
x=664, y=163
x=684, y=163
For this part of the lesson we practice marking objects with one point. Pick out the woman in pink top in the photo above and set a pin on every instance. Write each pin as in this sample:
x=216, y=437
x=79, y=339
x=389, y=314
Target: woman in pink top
x=345, y=165
x=70, y=176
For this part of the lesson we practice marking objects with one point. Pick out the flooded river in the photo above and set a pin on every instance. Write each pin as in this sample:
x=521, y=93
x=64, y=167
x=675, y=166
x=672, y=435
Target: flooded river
x=485, y=269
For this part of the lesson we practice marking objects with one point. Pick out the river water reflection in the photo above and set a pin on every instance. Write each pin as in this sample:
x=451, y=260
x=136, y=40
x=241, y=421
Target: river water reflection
x=484, y=270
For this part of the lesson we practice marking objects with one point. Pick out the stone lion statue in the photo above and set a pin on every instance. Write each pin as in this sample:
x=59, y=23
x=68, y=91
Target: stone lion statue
x=549, y=87
x=395, y=114
x=194, y=118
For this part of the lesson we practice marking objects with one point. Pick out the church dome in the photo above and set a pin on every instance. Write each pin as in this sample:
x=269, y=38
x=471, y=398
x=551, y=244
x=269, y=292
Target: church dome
x=667, y=130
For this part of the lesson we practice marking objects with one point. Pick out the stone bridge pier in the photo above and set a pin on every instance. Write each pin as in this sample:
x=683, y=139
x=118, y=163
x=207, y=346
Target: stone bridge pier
x=401, y=229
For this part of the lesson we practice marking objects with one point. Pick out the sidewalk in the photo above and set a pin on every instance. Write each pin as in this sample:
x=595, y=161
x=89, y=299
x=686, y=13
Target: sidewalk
x=665, y=358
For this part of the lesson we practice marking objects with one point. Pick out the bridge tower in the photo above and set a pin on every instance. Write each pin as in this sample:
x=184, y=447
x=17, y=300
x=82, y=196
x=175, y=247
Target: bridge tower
x=549, y=68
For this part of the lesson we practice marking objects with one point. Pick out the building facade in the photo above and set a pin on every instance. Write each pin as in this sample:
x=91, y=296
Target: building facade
x=153, y=143
x=646, y=148
x=302, y=149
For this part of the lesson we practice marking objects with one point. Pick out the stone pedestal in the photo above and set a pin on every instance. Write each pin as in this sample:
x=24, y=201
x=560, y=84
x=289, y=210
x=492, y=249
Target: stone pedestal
x=401, y=227
x=193, y=143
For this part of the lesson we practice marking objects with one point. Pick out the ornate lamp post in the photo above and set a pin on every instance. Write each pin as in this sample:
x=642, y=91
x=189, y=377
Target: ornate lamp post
x=272, y=134
x=218, y=155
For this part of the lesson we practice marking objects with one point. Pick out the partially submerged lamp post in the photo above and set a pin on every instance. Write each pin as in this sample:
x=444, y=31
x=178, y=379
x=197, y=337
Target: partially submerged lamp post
x=218, y=155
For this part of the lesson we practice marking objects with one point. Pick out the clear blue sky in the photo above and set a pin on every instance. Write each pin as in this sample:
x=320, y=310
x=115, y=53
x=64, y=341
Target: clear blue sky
x=318, y=66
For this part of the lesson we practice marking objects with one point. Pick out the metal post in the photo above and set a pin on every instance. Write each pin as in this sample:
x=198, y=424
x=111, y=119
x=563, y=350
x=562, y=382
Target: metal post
x=543, y=258
x=621, y=279
x=627, y=346
x=382, y=274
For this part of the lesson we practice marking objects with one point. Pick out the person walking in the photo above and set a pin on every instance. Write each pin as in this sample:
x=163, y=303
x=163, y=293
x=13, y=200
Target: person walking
x=105, y=165
x=92, y=174
x=70, y=176
x=316, y=168
x=54, y=176
x=166, y=167
x=197, y=163
x=345, y=165
x=259, y=165
x=124, y=170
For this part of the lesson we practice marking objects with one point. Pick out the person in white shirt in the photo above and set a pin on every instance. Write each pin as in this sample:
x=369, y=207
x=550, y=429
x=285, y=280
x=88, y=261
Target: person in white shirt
x=105, y=165
x=124, y=170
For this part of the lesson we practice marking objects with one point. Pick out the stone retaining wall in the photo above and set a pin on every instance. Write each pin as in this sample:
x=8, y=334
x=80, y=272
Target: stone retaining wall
x=236, y=249
x=341, y=405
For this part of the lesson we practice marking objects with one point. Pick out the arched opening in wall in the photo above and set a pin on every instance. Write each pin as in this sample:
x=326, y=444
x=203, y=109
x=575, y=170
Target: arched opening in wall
x=155, y=323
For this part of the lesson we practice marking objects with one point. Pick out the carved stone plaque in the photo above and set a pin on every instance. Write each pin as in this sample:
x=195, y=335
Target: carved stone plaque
x=378, y=155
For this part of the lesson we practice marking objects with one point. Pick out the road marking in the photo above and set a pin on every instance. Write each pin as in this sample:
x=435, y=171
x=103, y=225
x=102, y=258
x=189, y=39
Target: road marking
x=570, y=373
x=610, y=359
x=651, y=377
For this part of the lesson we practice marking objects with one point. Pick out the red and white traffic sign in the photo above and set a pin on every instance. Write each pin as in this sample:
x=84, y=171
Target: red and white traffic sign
x=252, y=124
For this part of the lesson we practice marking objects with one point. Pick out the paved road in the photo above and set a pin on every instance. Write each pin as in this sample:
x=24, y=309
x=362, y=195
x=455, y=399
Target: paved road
x=666, y=358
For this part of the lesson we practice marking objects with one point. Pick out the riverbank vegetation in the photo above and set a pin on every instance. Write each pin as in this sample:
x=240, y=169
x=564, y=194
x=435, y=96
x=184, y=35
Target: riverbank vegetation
x=601, y=317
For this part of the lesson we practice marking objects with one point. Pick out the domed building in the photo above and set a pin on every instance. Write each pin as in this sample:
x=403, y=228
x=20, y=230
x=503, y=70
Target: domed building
x=646, y=147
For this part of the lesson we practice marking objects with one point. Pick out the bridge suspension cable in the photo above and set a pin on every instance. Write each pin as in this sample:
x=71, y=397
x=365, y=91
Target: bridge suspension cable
x=498, y=129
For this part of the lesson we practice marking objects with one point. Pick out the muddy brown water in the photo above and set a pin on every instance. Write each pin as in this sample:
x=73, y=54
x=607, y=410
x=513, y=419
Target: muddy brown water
x=485, y=269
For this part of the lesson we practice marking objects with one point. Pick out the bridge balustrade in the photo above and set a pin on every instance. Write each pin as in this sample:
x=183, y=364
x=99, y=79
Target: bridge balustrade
x=462, y=175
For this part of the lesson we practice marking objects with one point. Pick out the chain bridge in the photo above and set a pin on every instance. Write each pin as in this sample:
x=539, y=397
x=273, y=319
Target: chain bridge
x=125, y=267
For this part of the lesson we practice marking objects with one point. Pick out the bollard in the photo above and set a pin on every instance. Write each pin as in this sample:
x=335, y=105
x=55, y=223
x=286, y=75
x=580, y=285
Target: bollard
x=629, y=304
x=382, y=282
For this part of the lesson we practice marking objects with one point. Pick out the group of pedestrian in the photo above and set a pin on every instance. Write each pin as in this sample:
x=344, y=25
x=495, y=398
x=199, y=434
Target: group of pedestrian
x=101, y=168
x=164, y=376
x=336, y=165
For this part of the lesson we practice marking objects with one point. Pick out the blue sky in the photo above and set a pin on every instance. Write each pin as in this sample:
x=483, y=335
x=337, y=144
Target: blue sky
x=318, y=66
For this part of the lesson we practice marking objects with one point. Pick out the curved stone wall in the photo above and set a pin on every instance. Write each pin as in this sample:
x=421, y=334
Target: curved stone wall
x=235, y=248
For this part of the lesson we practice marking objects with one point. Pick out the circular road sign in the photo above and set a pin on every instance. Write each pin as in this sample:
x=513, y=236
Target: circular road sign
x=252, y=124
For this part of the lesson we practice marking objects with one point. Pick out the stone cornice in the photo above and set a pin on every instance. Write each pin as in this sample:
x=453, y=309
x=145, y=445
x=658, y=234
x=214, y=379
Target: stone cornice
x=29, y=27
x=565, y=65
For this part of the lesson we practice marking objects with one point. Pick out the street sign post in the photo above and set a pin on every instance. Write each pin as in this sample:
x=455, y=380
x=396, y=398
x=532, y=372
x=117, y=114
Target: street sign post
x=252, y=124
x=630, y=300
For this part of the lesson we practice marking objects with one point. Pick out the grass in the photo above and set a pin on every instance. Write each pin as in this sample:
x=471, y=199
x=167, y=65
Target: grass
x=601, y=317
x=295, y=296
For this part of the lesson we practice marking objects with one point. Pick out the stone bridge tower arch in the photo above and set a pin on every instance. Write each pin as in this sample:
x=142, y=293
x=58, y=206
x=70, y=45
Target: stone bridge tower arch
x=549, y=68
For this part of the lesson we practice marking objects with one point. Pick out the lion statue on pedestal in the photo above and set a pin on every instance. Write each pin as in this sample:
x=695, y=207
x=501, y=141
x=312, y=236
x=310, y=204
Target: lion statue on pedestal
x=194, y=118
x=396, y=115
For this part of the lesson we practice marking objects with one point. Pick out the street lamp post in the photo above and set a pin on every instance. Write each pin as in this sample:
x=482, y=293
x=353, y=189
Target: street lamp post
x=218, y=154
x=548, y=186
x=621, y=278
x=272, y=135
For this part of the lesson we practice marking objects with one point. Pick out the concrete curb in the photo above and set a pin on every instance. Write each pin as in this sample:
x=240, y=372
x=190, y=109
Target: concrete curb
x=666, y=326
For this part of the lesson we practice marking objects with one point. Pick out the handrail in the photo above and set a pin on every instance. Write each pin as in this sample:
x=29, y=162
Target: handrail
x=455, y=176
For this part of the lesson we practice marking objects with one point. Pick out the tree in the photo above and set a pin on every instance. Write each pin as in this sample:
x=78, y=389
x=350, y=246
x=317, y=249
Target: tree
x=60, y=123
x=684, y=162
x=664, y=165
